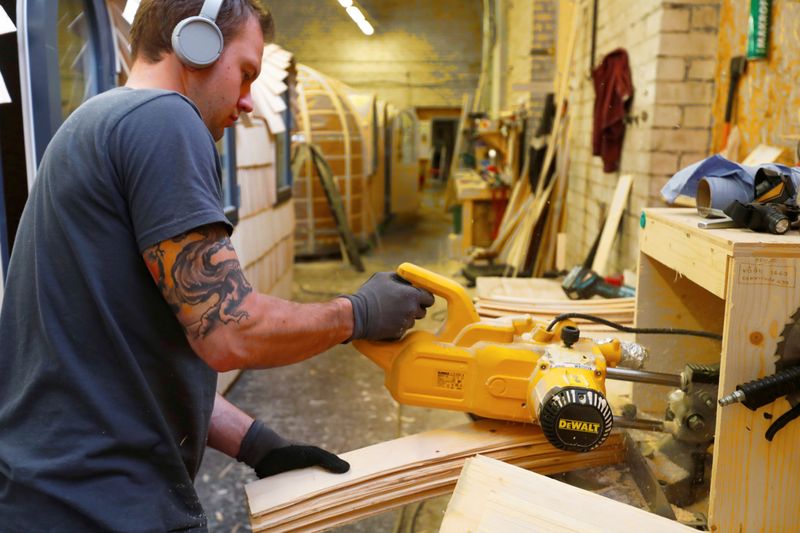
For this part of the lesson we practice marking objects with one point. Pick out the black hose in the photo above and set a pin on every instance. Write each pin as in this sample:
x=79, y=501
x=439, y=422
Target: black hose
x=782, y=420
x=629, y=329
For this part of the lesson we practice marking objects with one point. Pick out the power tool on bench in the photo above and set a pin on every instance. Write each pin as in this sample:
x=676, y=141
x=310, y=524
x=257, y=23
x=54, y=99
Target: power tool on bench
x=582, y=283
x=513, y=368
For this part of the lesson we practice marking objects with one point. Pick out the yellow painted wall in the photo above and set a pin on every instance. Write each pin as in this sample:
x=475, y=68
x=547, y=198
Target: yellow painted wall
x=768, y=105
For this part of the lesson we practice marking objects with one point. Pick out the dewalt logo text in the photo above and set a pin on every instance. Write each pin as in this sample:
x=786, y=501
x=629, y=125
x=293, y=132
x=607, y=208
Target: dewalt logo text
x=579, y=425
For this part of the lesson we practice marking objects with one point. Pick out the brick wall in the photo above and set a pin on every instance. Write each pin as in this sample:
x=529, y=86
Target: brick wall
x=672, y=53
x=422, y=53
x=543, y=49
x=531, y=29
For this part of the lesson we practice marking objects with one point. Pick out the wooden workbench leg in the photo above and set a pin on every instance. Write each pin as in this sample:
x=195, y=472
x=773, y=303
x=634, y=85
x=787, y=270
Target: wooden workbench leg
x=466, y=225
x=754, y=482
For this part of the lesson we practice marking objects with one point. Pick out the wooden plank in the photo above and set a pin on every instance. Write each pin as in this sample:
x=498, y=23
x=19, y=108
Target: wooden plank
x=495, y=496
x=611, y=225
x=697, y=255
x=744, y=241
x=763, y=153
x=754, y=482
x=490, y=287
x=380, y=458
x=556, y=221
x=370, y=503
x=407, y=469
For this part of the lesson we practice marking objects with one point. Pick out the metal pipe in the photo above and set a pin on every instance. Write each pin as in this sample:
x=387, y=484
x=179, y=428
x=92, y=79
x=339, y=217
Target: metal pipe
x=644, y=376
x=639, y=423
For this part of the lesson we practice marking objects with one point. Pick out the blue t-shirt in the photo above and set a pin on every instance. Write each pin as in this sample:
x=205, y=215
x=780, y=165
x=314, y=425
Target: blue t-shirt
x=104, y=407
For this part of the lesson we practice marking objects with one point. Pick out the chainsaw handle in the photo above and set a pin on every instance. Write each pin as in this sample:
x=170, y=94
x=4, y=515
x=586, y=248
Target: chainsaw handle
x=460, y=310
x=460, y=314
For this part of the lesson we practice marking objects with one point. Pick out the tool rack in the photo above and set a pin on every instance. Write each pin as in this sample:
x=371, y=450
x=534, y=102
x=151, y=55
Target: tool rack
x=746, y=286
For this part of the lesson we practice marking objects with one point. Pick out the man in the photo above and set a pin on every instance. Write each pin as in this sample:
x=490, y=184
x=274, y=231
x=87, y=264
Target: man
x=125, y=297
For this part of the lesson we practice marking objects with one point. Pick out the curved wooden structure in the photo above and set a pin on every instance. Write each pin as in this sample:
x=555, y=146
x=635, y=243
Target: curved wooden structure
x=328, y=119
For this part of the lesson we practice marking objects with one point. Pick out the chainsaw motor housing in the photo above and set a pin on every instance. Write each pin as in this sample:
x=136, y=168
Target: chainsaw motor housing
x=567, y=394
x=513, y=368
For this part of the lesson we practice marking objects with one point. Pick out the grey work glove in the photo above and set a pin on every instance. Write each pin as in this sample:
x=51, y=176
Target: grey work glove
x=268, y=453
x=386, y=306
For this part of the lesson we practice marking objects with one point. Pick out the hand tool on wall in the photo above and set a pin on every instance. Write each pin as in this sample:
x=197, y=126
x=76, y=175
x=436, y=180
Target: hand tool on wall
x=737, y=68
x=513, y=368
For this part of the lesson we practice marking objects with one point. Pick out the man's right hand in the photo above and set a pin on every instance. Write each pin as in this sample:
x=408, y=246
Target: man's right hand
x=386, y=306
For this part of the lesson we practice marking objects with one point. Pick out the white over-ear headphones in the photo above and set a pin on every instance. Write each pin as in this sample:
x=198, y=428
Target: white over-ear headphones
x=197, y=41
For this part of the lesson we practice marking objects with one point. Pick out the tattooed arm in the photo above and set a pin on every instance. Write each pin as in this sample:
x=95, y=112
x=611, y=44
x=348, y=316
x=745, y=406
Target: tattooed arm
x=227, y=323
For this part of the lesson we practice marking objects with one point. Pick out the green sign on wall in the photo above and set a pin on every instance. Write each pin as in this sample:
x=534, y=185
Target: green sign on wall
x=758, y=29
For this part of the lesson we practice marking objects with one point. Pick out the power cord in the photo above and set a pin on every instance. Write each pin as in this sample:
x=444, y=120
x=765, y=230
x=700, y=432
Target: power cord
x=629, y=329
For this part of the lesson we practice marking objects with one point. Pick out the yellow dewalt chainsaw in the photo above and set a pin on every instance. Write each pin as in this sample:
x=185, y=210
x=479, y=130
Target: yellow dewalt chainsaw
x=509, y=369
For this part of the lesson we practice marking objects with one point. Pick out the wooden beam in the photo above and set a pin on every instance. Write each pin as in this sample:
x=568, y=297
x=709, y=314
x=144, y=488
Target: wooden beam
x=404, y=470
x=494, y=496
x=611, y=225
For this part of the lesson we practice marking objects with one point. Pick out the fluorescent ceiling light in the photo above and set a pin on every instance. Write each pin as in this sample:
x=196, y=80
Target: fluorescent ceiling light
x=356, y=14
x=366, y=27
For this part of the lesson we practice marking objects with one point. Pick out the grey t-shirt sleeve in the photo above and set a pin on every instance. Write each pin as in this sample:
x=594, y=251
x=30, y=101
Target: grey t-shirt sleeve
x=168, y=169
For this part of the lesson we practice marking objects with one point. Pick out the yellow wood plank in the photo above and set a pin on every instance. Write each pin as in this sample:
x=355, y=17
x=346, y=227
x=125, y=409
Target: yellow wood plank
x=754, y=481
x=702, y=257
x=538, y=503
x=611, y=225
x=390, y=470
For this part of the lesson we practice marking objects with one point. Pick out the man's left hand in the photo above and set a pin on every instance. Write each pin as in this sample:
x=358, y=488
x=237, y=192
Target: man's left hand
x=268, y=453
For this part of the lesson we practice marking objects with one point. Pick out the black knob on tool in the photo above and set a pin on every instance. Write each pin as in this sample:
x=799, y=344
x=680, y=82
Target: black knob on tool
x=570, y=335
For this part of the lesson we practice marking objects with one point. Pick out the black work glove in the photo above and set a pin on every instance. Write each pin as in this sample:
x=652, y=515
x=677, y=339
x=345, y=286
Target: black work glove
x=386, y=306
x=268, y=453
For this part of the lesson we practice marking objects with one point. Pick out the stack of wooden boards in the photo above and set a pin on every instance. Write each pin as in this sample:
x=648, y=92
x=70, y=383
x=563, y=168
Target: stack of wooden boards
x=405, y=470
x=543, y=299
x=539, y=210
x=492, y=496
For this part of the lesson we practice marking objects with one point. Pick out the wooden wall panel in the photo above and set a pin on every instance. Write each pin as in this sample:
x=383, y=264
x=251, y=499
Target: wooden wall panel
x=768, y=100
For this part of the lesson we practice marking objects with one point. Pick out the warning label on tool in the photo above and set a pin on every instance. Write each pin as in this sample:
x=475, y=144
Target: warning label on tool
x=767, y=274
x=450, y=380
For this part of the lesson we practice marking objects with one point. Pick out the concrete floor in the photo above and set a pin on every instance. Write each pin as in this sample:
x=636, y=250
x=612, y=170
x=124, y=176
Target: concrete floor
x=337, y=400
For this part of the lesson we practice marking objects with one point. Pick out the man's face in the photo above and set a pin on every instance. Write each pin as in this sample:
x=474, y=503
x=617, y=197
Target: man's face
x=222, y=91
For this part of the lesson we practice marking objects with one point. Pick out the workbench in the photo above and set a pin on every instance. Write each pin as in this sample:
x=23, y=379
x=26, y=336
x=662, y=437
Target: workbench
x=746, y=286
x=478, y=214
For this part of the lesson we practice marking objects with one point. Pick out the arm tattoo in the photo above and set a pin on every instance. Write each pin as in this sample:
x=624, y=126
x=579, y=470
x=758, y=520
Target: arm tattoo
x=199, y=279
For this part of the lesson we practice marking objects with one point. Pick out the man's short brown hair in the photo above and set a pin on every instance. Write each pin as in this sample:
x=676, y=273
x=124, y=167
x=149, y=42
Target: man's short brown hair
x=151, y=33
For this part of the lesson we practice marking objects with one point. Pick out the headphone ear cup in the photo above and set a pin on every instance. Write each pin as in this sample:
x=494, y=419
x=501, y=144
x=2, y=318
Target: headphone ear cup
x=197, y=42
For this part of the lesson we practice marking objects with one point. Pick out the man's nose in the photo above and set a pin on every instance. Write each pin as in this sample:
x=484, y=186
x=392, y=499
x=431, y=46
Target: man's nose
x=246, y=102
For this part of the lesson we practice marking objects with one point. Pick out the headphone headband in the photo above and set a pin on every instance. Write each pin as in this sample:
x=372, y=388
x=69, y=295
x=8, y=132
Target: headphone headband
x=210, y=9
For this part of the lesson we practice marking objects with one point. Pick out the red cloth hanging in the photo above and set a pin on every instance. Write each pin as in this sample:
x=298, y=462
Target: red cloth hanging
x=613, y=89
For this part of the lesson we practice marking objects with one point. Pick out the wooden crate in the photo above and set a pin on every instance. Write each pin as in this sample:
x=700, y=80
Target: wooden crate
x=745, y=285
